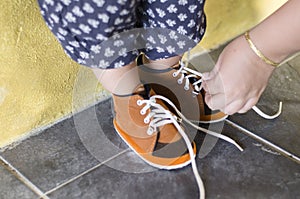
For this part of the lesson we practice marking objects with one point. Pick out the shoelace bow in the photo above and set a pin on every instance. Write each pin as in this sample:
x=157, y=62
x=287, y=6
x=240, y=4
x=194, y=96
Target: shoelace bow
x=159, y=116
x=187, y=74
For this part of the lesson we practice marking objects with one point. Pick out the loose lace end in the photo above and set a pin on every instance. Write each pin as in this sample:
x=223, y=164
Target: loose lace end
x=266, y=116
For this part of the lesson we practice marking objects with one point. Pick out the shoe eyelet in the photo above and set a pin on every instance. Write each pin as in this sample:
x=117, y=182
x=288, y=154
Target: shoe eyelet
x=179, y=81
x=174, y=74
x=139, y=102
x=146, y=121
x=142, y=112
x=186, y=88
x=150, y=131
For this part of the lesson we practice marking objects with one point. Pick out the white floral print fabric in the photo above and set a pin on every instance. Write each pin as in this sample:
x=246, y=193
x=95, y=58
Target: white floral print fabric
x=90, y=31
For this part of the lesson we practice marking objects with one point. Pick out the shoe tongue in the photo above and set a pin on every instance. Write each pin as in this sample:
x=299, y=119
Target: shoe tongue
x=144, y=91
x=176, y=66
x=193, y=80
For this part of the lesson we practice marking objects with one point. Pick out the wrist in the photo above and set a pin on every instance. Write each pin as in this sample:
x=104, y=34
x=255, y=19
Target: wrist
x=251, y=57
x=271, y=47
x=258, y=52
x=277, y=37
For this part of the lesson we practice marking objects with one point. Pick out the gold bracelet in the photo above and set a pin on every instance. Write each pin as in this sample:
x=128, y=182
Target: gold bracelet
x=257, y=52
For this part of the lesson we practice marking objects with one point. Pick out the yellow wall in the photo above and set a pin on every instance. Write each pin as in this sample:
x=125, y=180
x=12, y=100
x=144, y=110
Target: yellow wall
x=37, y=78
x=228, y=18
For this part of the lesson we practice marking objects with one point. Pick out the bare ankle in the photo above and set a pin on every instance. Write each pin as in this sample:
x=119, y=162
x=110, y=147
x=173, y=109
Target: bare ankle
x=121, y=81
x=162, y=64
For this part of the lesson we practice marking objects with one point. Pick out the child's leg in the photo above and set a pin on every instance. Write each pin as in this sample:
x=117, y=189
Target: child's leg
x=173, y=27
x=82, y=28
x=173, y=30
x=86, y=29
x=162, y=64
x=121, y=81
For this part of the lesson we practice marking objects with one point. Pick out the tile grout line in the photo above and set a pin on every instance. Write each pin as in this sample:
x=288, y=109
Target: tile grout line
x=84, y=173
x=41, y=129
x=22, y=178
x=275, y=147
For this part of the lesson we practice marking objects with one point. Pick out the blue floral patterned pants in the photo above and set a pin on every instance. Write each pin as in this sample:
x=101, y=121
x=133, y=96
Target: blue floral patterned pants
x=111, y=33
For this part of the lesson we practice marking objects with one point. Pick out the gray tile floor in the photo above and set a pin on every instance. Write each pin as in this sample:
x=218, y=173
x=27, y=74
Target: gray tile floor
x=82, y=157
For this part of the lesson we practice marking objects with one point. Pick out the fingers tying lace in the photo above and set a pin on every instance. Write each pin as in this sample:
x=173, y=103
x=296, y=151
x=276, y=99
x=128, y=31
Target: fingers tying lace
x=187, y=74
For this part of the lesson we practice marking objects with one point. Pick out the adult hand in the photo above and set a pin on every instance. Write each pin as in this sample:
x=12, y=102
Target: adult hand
x=237, y=80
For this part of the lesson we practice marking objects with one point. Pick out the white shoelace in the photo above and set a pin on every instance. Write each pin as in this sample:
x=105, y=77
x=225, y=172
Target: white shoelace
x=187, y=73
x=159, y=116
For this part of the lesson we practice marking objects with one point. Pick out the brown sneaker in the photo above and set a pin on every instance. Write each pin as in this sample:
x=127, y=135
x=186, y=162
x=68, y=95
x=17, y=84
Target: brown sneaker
x=182, y=88
x=146, y=125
